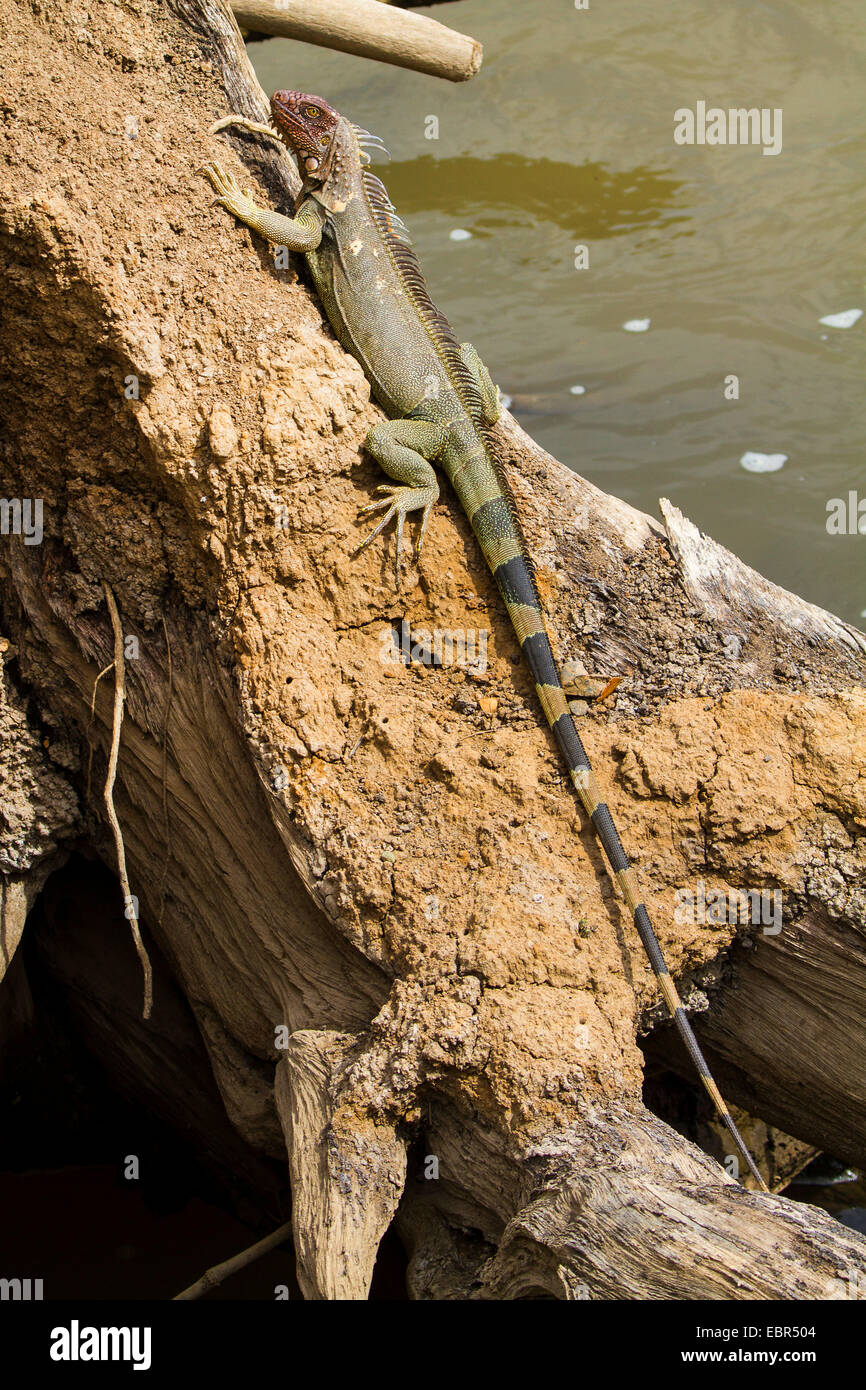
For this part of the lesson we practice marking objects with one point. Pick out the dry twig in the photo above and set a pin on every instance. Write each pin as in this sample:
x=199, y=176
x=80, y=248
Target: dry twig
x=217, y=1273
x=117, y=721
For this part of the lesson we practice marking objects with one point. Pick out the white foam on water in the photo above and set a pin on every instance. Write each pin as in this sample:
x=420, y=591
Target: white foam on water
x=846, y=319
x=753, y=462
x=459, y=234
x=577, y=390
x=636, y=325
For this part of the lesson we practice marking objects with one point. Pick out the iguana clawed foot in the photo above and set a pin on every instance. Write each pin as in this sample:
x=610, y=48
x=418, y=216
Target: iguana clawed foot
x=243, y=123
x=399, y=501
x=403, y=449
x=300, y=233
x=229, y=192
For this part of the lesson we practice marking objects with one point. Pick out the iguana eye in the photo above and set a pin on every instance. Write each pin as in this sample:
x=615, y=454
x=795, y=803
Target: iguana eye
x=311, y=164
x=313, y=112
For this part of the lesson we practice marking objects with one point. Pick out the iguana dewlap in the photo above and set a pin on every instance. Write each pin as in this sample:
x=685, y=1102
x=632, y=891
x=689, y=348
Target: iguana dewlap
x=442, y=404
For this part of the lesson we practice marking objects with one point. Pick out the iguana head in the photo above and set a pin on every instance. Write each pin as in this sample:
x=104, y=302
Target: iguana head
x=307, y=124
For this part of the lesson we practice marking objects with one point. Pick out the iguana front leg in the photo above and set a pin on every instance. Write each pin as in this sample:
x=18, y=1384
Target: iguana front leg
x=402, y=448
x=300, y=233
x=490, y=407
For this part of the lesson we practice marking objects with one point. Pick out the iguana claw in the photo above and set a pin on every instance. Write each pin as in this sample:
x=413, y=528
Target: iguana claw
x=398, y=501
x=229, y=192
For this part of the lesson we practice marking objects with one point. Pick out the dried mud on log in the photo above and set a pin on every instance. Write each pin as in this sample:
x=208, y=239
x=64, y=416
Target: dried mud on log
x=371, y=885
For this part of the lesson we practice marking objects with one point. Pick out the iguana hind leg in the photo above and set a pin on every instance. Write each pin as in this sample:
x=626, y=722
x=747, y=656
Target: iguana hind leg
x=490, y=407
x=402, y=448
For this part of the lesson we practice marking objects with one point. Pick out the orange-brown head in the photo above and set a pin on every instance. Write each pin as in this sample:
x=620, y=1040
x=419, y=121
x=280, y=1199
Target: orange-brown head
x=307, y=125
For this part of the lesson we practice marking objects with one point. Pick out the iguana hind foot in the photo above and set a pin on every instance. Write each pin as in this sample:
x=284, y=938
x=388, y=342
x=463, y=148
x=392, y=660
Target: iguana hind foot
x=402, y=449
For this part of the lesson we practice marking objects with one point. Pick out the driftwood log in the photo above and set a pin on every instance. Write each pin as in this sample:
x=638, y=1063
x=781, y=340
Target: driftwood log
x=369, y=29
x=368, y=893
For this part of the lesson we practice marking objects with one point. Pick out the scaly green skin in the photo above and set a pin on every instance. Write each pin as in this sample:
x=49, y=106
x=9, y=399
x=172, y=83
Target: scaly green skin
x=441, y=402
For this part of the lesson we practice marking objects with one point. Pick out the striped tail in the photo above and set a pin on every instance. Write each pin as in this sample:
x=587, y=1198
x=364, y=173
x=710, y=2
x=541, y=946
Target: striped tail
x=514, y=578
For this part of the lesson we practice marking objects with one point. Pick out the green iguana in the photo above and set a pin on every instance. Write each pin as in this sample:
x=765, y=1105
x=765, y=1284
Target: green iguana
x=442, y=404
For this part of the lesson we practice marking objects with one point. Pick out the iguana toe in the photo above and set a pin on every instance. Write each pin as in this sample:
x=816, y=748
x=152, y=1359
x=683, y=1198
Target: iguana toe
x=227, y=188
x=399, y=501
